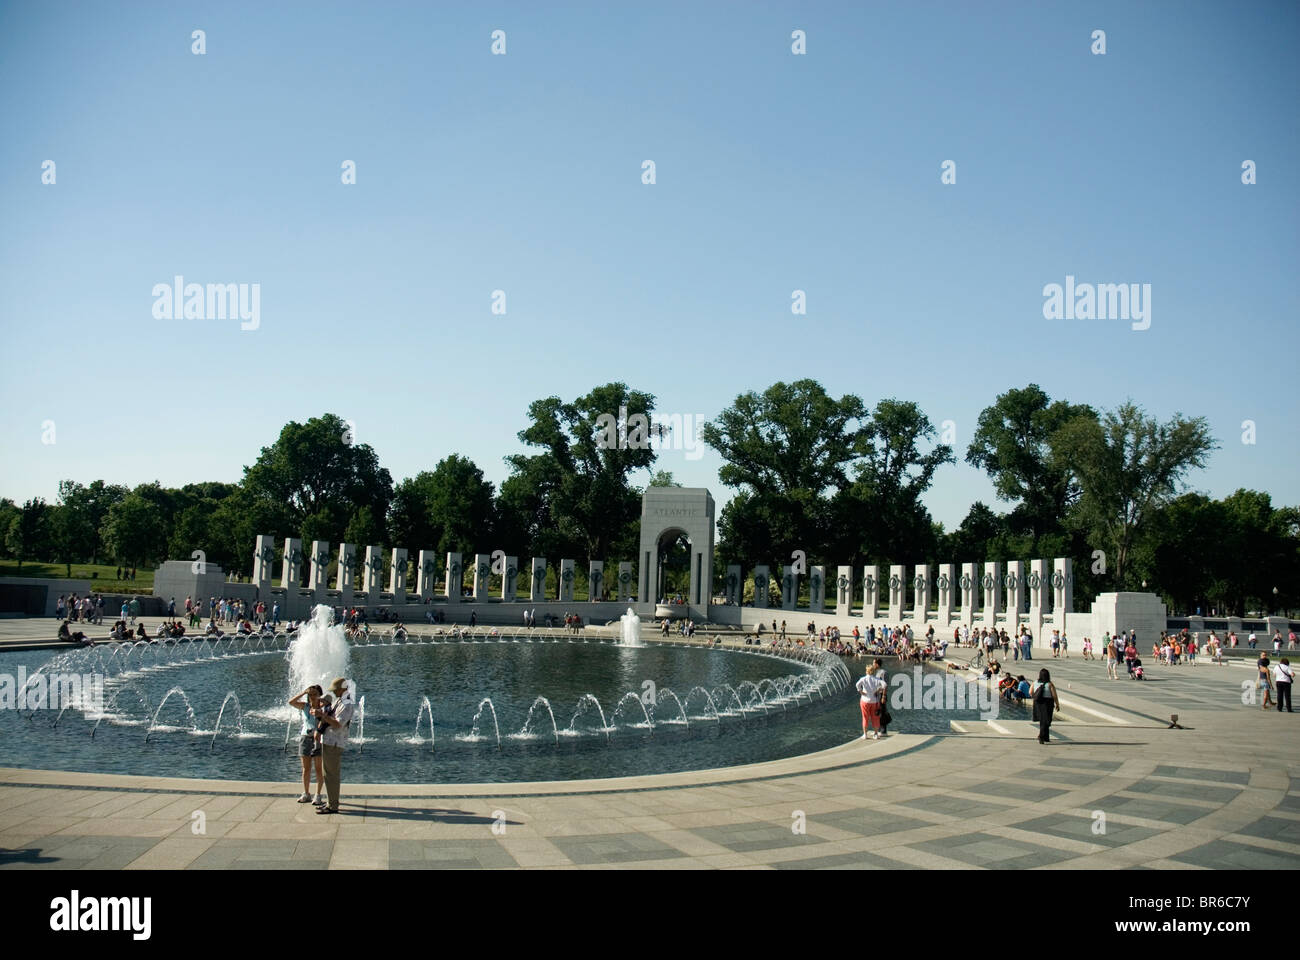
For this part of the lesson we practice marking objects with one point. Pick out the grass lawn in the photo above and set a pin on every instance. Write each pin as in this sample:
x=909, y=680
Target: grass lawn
x=102, y=577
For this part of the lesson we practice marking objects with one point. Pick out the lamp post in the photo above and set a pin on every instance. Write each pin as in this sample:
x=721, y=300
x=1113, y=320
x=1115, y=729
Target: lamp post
x=1275, y=599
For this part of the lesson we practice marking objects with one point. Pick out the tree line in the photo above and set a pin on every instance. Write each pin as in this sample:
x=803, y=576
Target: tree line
x=832, y=477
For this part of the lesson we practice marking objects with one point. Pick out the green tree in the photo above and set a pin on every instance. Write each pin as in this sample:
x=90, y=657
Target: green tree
x=134, y=532
x=580, y=481
x=1127, y=465
x=785, y=451
x=313, y=481
x=28, y=537
x=447, y=509
x=1012, y=443
x=881, y=515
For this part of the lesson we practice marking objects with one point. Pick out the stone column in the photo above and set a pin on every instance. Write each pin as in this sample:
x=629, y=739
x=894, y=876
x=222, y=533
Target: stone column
x=373, y=573
x=509, y=579
x=538, y=584
x=320, y=567
x=992, y=583
x=625, y=581
x=969, y=584
x=1062, y=589
x=397, y=575
x=921, y=598
x=482, y=576
x=454, y=579
x=595, y=580
x=424, y=576
x=1015, y=596
x=870, y=593
x=817, y=590
x=897, y=592
x=844, y=592
x=789, y=588
x=1039, y=583
x=566, y=581
x=947, y=586
x=290, y=570
x=761, y=577
x=343, y=579
x=263, y=566
x=735, y=584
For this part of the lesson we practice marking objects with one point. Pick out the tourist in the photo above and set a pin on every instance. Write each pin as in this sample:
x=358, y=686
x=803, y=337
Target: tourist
x=1264, y=681
x=872, y=690
x=1046, y=703
x=308, y=747
x=1277, y=641
x=1130, y=654
x=334, y=740
x=1065, y=646
x=1283, y=676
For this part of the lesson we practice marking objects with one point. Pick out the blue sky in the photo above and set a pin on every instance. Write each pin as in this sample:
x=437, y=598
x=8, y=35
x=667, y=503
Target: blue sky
x=522, y=173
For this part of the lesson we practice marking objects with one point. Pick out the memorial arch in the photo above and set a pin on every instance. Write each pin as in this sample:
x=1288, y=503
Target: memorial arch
x=677, y=511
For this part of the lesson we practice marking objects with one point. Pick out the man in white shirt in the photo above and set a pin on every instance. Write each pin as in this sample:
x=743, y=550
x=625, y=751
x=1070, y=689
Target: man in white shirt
x=871, y=688
x=334, y=739
x=1283, y=677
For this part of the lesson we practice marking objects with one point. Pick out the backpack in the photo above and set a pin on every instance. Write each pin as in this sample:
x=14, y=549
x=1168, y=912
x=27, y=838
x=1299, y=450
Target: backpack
x=1043, y=694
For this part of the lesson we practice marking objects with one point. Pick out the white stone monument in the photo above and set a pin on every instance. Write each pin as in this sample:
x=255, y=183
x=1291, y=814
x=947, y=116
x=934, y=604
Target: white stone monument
x=424, y=577
x=509, y=578
x=817, y=589
x=969, y=584
x=373, y=573
x=844, y=592
x=455, y=580
x=789, y=588
x=1063, y=588
x=264, y=565
x=946, y=585
x=343, y=578
x=871, y=593
x=921, y=593
x=318, y=578
x=897, y=591
x=625, y=581
x=290, y=574
x=566, y=581
x=397, y=575
x=595, y=580
x=734, y=584
x=992, y=584
x=538, y=585
x=482, y=576
x=1015, y=596
x=761, y=579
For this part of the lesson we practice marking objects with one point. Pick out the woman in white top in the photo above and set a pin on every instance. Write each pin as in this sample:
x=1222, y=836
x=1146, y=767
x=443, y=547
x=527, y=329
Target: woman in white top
x=872, y=689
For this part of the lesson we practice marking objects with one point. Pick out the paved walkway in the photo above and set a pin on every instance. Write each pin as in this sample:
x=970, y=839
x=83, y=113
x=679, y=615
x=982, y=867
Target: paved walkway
x=1116, y=789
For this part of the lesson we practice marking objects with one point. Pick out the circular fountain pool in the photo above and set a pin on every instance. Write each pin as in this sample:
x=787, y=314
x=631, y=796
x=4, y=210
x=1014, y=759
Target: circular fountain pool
x=435, y=708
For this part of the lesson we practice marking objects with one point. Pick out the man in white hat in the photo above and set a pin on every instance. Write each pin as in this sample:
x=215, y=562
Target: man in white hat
x=334, y=739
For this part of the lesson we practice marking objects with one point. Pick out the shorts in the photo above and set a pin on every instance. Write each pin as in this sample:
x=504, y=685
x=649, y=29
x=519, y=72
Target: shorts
x=307, y=746
x=871, y=714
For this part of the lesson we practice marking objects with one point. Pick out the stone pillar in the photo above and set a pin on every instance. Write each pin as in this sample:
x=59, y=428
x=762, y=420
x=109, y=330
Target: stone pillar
x=566, y=581
x=817, y=590
x=343, y=579
x=947, y=586
x=897, y=592
x=397, y=575
x=320, y=567
x=992, y=584
x=1040, y=582
x=424, y=576
x=969, y=584
x=761, y=577
x=1015, y=596
x=870, y=593
x=1062, y=589
x=844, y=592
x=538, y=584
x=455, y=579
x=290, y=569
x=789, y=588
x=373, y=573
x=1282, y=624
x=625, y=581
x=263, y=566
x=595, y=580
x=509, y=579
x=699, y=591
x=482, y=576
x=921, y=596
x=734, y=584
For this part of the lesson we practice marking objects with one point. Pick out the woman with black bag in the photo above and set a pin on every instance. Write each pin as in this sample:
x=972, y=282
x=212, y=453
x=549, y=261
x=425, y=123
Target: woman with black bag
x=1046, y=703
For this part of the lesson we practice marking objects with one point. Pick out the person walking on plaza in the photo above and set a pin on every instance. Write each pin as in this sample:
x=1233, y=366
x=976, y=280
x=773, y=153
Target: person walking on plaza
x=334, y=740
x=1265, y=680
x=1046, y=702
x=1283, y=676
x=872, y=689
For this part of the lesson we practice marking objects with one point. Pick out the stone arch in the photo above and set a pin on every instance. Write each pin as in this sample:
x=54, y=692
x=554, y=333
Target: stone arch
x=677, y=510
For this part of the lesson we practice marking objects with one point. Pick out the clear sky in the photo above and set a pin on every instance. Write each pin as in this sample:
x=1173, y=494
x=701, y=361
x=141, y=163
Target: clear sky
x=775, y=172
